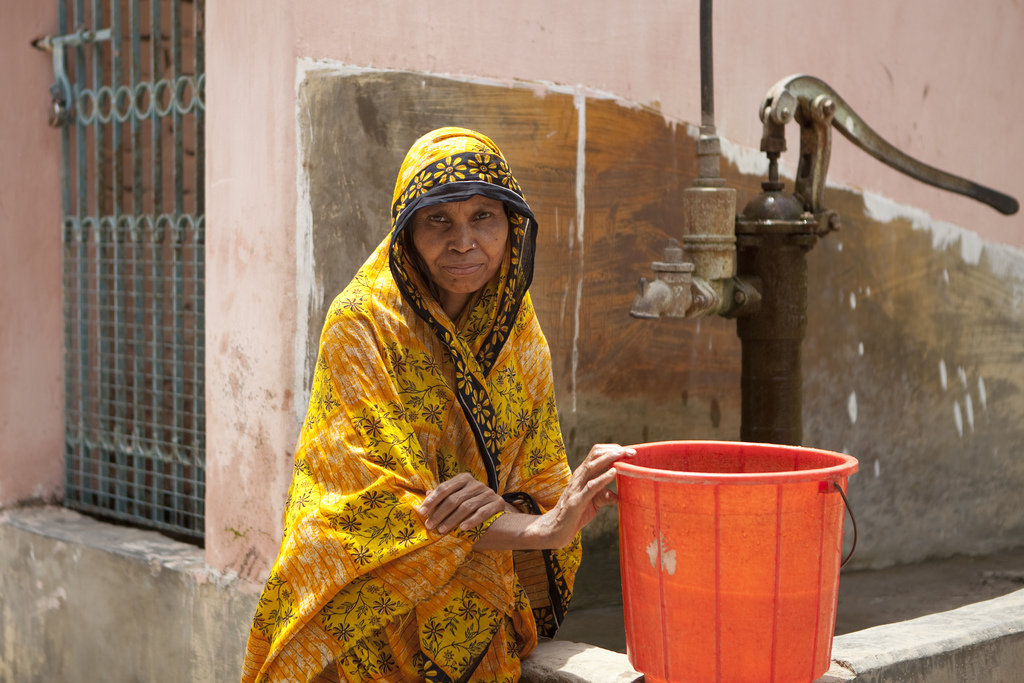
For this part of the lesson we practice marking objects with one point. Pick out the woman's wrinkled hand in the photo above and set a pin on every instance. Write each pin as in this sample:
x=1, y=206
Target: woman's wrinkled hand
x=462, y=501
x=586, y=493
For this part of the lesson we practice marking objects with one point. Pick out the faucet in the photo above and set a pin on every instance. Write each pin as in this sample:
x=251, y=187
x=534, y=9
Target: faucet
x=670, y=292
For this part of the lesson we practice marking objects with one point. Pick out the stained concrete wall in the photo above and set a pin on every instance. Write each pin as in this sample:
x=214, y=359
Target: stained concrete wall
x=82, y=601
x=888, y=60
x=910, y=356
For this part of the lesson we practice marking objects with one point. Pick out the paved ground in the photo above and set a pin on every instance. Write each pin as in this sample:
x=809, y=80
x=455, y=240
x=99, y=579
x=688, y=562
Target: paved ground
x=866, y=599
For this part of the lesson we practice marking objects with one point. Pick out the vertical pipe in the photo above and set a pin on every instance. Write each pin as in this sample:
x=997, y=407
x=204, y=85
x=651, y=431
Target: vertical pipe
x=138, y=268
x=179, y=294
x=708, y=145
x=158, y=235
x=707, y=72
x=118, y=275
x=771, y=382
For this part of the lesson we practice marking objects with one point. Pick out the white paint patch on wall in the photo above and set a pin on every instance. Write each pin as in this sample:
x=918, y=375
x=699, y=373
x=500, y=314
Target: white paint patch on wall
x=958, y=418
x=580, y=100
x=305, y=267
x=969, y=406
x=540, y=88
x=851, y=407
x=878, y=469
x=853, y=301
x=52, y=601
x=860, y=349
x=1006, y=262
x=942, y=374
x=746, y=160
x=962, y=375
x=944, y=234
x=982, y=395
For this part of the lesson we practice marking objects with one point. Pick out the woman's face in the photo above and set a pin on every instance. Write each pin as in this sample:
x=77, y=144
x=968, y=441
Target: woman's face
x=462, y=244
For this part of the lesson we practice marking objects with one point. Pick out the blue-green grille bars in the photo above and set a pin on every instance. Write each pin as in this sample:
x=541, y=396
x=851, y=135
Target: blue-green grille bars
x=129, y=99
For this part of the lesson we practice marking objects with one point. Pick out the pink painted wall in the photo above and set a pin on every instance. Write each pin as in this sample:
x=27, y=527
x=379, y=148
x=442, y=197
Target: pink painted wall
x=250, y=291
x=940, y=80
x=31, y=375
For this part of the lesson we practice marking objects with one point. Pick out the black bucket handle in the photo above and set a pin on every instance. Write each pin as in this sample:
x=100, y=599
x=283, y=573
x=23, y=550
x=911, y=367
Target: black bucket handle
x=852, y=519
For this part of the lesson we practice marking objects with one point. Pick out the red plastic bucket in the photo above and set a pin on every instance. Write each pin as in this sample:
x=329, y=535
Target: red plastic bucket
x=730, y=557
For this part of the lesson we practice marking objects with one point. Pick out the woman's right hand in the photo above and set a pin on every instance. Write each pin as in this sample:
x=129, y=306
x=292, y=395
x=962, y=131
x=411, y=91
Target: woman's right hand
x=462, y=501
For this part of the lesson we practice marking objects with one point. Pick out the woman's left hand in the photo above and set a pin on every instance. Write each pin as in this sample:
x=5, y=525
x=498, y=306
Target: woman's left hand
x=462, y=501
x=586, y=493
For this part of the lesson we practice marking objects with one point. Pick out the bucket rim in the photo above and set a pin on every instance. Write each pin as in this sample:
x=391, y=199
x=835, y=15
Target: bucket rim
x=846, y=465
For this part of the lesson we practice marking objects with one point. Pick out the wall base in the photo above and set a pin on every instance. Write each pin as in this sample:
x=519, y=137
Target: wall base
x=81, y=600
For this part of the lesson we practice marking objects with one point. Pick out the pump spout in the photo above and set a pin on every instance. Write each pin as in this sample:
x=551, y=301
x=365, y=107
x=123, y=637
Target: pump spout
x=670, y=292
x=653, y=299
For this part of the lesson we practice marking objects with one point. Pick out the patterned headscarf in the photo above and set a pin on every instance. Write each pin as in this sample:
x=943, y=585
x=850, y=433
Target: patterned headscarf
x=452, y=165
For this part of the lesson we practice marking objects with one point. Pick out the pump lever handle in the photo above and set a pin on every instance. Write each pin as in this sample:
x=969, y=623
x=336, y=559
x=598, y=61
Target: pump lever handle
x=804, y=96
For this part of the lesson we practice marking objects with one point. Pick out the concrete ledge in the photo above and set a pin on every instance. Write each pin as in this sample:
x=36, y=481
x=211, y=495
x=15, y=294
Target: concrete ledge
x=81, y=600
x=563, y=661
x=979, y=643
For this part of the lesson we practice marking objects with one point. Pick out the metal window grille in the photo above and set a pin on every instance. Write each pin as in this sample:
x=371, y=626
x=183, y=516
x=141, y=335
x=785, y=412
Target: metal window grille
x=129, y=98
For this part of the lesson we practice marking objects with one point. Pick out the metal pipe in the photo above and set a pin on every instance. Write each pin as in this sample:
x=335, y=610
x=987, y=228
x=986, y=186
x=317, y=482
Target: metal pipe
x=707, y=73
x=708, y=146
x=771, y=381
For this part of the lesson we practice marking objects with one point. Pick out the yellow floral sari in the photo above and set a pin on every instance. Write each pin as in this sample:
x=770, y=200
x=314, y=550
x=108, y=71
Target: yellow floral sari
x=404, y=398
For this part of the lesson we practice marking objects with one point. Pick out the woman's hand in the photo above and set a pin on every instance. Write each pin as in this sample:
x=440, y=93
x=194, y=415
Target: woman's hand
x=586, y=493
x=462, y=501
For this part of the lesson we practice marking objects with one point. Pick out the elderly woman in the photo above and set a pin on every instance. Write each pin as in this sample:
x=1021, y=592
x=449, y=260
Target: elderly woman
x=431, y=531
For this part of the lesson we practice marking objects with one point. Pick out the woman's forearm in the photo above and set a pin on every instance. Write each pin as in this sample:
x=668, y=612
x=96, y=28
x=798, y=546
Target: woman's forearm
x=519, y=531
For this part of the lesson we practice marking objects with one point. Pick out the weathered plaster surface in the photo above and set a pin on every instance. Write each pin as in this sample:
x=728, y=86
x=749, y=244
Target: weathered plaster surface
x=890, y=61
x=250, y=291
x=73, y=592
x=979, y=643
x=913, y=364
x=930, y=304
x=890, y=291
